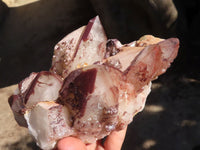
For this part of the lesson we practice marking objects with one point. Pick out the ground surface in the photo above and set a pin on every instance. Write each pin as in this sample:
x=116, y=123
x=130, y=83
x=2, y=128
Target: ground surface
x=171, y=118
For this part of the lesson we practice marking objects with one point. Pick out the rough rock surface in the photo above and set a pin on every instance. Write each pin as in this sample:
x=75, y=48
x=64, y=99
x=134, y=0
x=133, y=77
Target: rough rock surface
x=11, y=134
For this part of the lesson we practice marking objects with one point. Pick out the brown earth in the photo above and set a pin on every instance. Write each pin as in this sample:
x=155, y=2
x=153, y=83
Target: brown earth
x=171, y=118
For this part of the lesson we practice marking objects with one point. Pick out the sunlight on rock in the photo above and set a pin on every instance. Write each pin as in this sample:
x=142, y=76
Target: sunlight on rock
x=156, y=86
x=190, y=80
x=17, y=3
x=148, y=144
x=153, y=108
x=185, y=123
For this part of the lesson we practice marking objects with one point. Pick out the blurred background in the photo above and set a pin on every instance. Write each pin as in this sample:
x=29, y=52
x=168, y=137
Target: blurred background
x=29, y=30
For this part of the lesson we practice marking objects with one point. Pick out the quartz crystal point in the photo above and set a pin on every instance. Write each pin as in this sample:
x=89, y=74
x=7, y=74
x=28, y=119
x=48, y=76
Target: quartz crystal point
x=95, y=85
